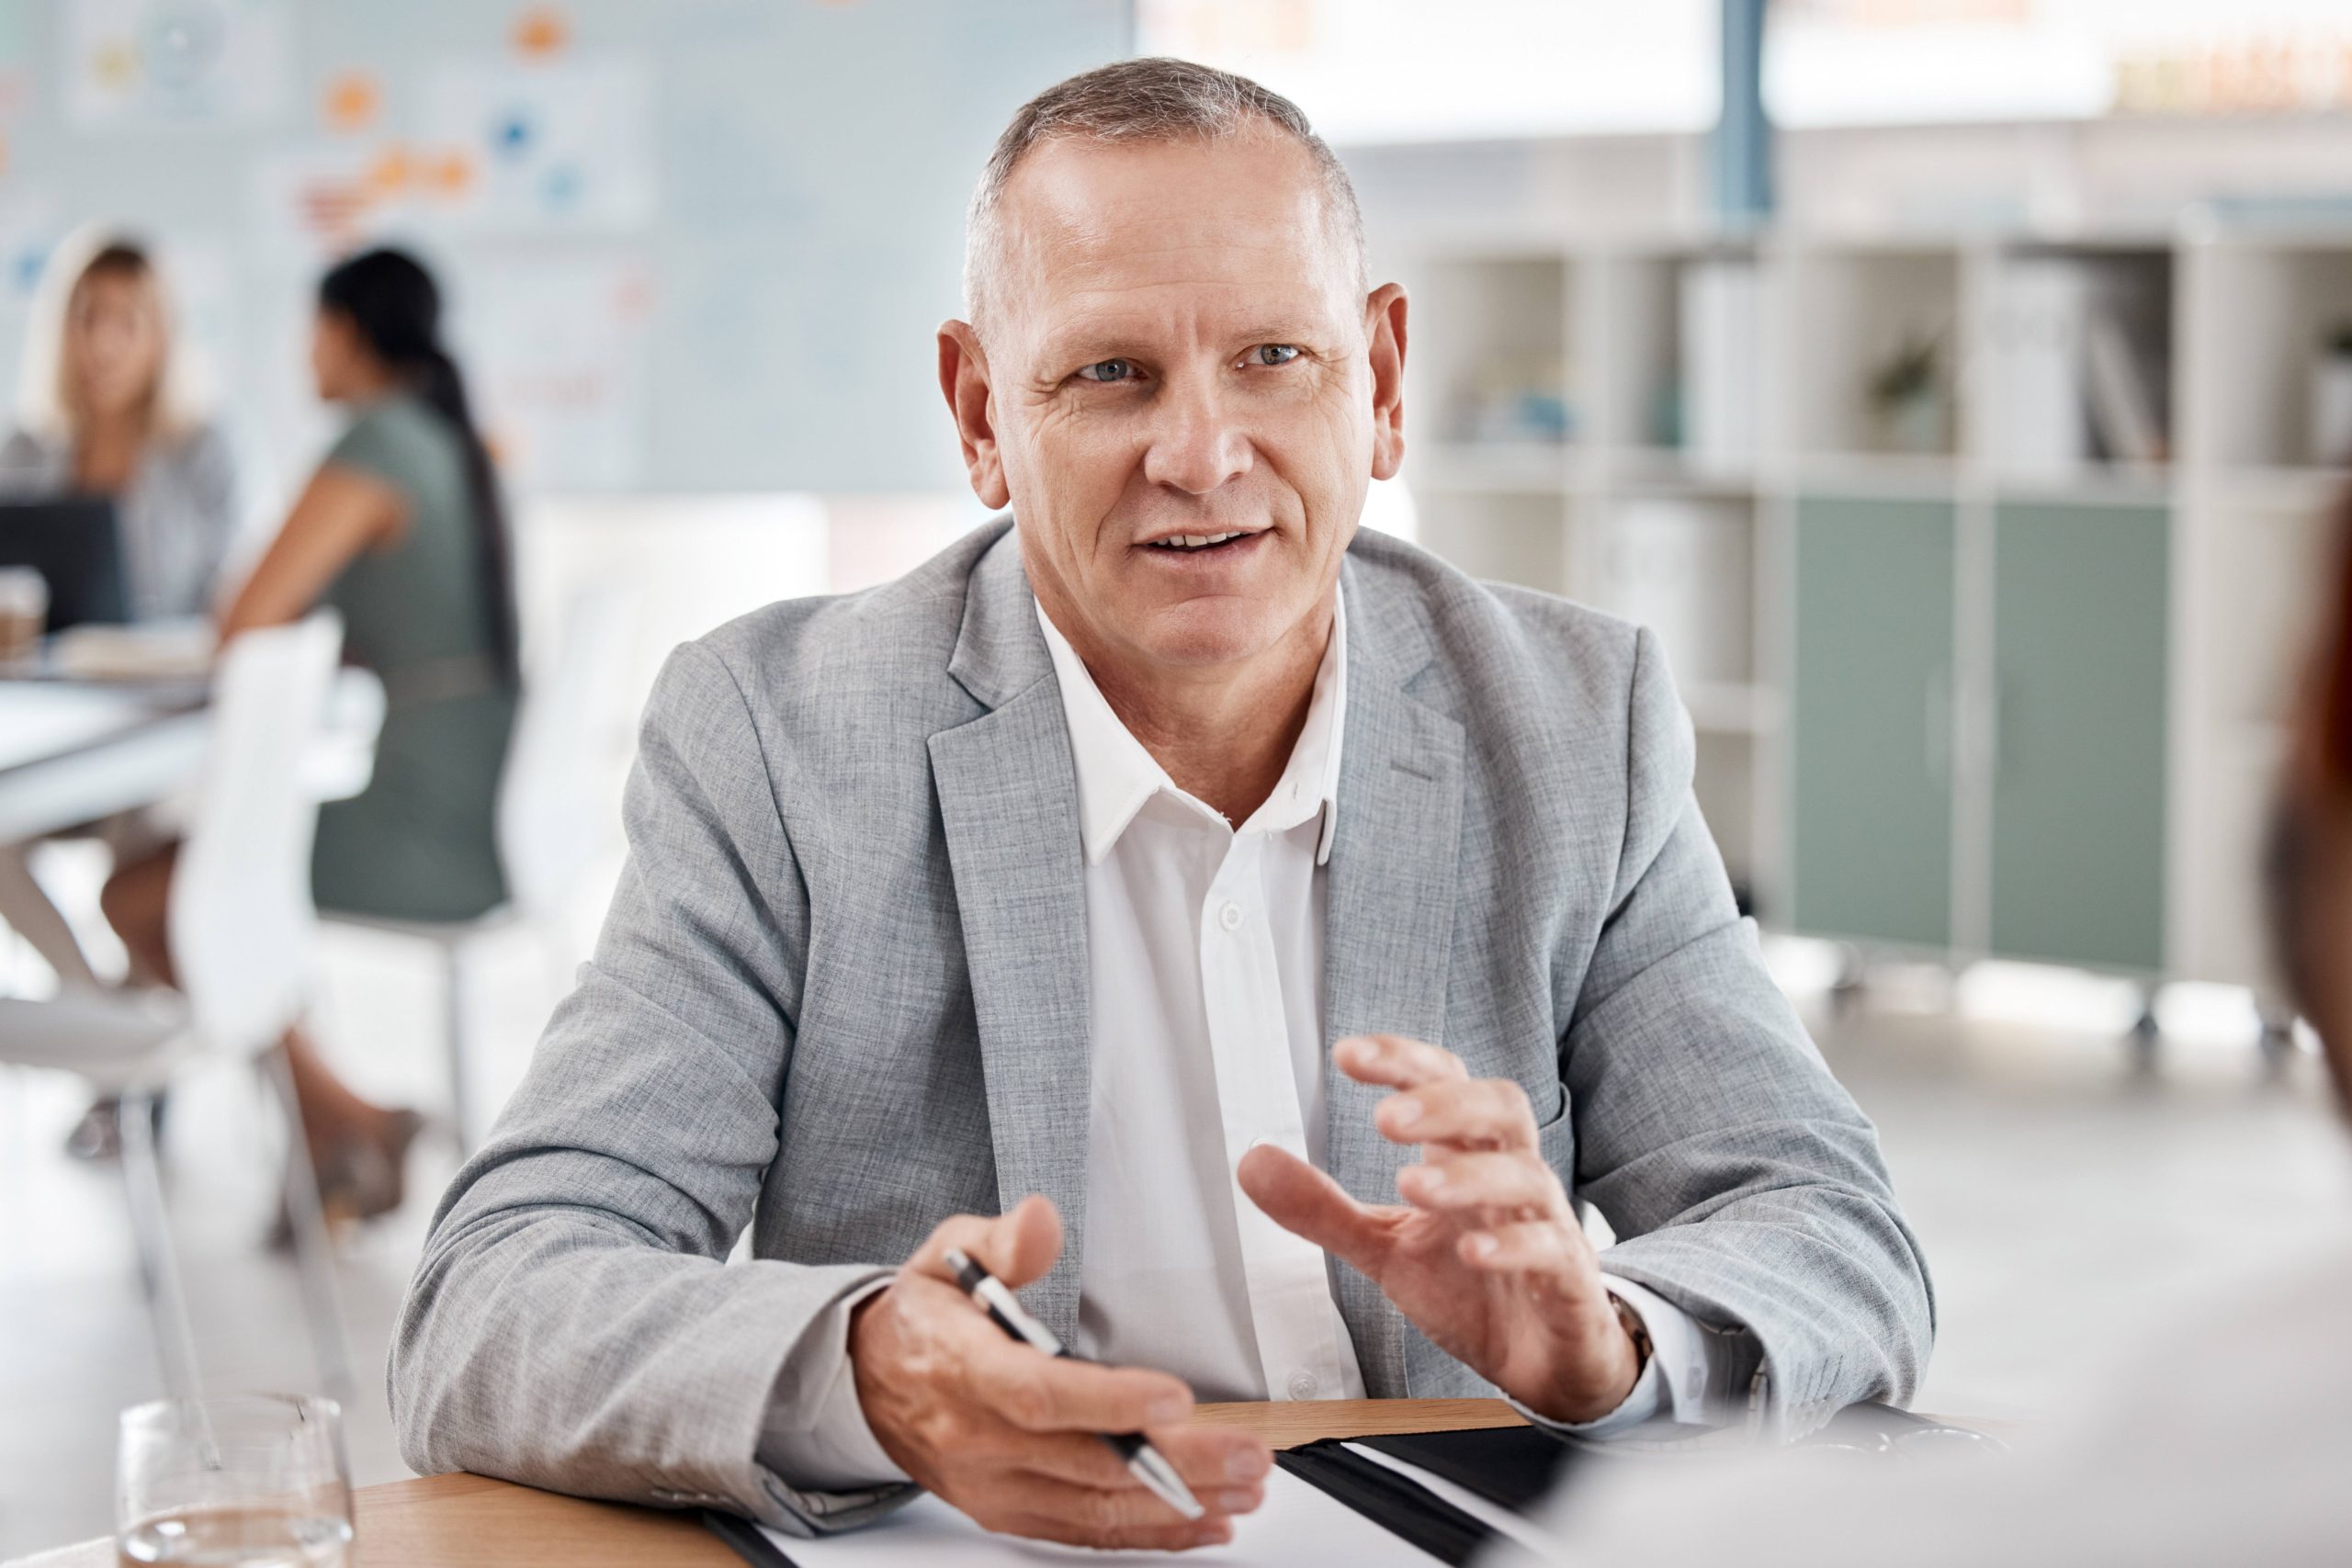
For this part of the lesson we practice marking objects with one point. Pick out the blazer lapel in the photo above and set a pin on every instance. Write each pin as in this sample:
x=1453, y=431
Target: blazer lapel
x=1389, y=925
x=1008, y=799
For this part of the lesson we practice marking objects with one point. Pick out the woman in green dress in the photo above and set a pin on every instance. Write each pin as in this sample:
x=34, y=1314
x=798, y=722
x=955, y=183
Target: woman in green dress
x=401, y=530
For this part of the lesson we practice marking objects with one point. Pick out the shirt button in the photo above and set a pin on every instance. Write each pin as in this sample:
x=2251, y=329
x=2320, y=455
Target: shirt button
x=1302, y=1385
x=1229, y=917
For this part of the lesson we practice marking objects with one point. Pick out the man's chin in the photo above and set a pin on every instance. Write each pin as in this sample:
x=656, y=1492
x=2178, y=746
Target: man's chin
x=1207, y=632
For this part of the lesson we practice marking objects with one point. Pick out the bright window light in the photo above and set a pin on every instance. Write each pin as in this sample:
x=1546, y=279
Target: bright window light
x=1376, y=70
x=1388, y=506
x=1887, y=62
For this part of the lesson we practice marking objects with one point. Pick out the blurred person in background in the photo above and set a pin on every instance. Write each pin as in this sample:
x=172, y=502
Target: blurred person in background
x=108, y=409
x=2225, y=1439
x=400, y=531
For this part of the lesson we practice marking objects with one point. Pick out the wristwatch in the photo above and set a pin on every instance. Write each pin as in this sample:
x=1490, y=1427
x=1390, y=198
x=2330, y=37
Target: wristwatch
x=1636, y=1330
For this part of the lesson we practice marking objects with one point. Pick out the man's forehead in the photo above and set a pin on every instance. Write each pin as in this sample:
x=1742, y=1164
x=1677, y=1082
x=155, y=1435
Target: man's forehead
x=1231, y=221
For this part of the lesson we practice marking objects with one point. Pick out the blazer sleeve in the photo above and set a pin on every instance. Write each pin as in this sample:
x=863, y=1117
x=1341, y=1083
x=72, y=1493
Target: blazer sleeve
x=1745, y=1184
x=573, y=1323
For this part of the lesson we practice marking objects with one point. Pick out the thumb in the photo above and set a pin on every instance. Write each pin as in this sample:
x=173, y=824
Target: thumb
x=1017, y=1247
x=1021, y=1246
x=1305, y=1201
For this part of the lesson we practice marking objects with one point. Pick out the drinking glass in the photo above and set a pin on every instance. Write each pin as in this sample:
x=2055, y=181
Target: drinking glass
x=24, y=610
x=240, y=1481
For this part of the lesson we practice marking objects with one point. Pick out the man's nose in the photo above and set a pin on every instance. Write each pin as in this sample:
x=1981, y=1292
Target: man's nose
x=1196, y=442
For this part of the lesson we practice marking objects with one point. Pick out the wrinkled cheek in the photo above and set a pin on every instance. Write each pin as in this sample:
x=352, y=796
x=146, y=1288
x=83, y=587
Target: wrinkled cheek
x=1069, y=479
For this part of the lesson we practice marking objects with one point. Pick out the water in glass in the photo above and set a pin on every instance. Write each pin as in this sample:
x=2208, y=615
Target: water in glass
x=249, y=1480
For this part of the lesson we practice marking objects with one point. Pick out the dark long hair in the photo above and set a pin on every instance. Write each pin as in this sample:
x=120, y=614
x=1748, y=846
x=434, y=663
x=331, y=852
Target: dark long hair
x=393, y=303
x=2301, y=855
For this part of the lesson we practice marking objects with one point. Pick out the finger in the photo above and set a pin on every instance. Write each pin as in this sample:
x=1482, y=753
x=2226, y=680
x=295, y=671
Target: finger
x=1491, y=1113
x=1304, y=1202
x=1513, y=1186
x=1131, y=1518
x=1180, y=1536
x=1209, y=1459
x=1214, y=1459
x=1396, y=1062
x=1542, y=1251
x=1016, y=1246
x=1045, y=1394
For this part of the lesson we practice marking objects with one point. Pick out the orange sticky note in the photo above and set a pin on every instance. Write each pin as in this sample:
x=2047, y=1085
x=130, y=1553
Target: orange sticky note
x=392, y=168
x=452, y=174
x=353, y=100
x=541, y=32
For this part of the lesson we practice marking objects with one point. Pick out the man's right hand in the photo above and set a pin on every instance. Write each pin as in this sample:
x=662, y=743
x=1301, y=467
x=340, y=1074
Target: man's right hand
x=1010, y=1436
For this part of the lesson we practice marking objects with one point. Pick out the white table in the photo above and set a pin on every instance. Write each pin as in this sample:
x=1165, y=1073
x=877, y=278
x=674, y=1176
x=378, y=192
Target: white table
x=72, y=751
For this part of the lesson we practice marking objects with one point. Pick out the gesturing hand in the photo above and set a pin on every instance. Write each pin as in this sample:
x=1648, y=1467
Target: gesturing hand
x=1008, y=1435
x=1484, y=1256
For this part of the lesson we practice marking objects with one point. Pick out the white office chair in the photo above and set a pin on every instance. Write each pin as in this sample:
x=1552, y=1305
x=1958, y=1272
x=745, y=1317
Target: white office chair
x=550, y=822
x=242, y=930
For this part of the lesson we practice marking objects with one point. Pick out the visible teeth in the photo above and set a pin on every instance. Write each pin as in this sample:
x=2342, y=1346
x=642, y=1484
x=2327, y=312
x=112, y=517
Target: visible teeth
x=1194, y=541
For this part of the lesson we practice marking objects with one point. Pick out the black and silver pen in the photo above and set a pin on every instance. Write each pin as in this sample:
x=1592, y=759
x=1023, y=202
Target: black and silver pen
x=1144, y=1462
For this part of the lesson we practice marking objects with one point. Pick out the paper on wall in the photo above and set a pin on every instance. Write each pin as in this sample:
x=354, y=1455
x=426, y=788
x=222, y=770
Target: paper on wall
x=140, y=63
x=562, y=146
x=560, y=354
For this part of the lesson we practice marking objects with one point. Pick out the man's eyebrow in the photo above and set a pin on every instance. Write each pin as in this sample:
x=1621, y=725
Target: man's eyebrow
x=1293, y=331
x=1085, y=344
x=1086, y=341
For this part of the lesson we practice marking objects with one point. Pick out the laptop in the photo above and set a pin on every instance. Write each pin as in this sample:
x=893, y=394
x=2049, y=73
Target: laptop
x=73, y=541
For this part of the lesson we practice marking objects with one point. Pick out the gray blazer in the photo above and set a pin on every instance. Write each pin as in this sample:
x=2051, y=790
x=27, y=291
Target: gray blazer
x=842, y=994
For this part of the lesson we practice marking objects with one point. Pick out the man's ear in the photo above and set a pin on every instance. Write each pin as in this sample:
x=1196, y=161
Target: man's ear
x=964, y=381
x=1385, y=333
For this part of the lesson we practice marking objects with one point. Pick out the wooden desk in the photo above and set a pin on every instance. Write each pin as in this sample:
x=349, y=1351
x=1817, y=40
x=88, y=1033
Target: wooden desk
x=470, y=1521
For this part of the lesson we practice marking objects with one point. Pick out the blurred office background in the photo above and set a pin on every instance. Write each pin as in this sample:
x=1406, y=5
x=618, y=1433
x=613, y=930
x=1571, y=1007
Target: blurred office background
x=1967, y=436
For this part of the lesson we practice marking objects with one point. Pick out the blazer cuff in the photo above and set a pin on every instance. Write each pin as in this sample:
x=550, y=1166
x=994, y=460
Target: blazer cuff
x=815, y=1439
x=1672, y=1391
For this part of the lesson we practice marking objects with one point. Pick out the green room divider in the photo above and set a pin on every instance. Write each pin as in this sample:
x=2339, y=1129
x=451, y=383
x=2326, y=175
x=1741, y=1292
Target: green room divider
x=2080, y=607
x=1871, y=714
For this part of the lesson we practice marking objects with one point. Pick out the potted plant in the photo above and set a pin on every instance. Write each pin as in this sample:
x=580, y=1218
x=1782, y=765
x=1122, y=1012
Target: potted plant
x=1906, y=397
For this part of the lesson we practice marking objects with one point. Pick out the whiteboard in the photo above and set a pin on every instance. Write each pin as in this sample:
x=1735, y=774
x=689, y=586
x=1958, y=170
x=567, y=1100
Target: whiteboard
x=692, y=245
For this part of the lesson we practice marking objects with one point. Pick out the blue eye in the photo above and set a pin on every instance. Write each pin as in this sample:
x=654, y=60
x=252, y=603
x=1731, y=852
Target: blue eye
x=1273, y=353
x=1107, y=370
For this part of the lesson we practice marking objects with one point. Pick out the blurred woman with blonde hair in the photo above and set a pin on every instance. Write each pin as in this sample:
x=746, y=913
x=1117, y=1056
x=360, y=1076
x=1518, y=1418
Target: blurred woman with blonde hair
x=108, y=407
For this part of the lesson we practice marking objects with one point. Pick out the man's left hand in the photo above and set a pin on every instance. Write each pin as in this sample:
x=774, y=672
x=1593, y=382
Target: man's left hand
x=1484, y=1254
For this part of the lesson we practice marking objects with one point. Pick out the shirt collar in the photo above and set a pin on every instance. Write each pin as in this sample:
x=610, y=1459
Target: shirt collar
x=1116, y=777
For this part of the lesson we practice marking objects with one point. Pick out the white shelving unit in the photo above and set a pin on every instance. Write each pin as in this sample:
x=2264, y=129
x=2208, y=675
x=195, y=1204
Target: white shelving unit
x=1550, y=387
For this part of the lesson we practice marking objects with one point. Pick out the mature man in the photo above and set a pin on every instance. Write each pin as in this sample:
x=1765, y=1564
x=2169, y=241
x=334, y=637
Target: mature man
x=1049, y=883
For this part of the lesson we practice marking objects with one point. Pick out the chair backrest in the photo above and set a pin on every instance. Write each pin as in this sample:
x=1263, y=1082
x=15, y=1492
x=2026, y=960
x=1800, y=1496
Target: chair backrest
x=552, y=817
x=240, y=923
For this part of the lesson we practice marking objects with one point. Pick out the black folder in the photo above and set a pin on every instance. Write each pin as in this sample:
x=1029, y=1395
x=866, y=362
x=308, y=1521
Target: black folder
x=1515, y=1468
x=1512, y=1467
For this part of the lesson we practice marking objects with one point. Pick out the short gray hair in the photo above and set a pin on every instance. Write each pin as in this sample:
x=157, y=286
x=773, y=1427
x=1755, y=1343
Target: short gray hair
x=1151, y=99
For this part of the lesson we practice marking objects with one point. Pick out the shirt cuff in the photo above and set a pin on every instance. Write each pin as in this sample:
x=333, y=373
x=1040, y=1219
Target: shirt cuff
x=1674, y=1380
x=816, y=1436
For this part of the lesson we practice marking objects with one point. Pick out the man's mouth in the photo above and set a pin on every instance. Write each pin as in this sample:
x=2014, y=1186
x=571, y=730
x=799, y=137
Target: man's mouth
x=1191, y=543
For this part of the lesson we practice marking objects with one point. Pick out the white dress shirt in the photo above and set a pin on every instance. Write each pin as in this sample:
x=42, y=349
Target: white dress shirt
x=1204, y=962
x=1204, y=957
